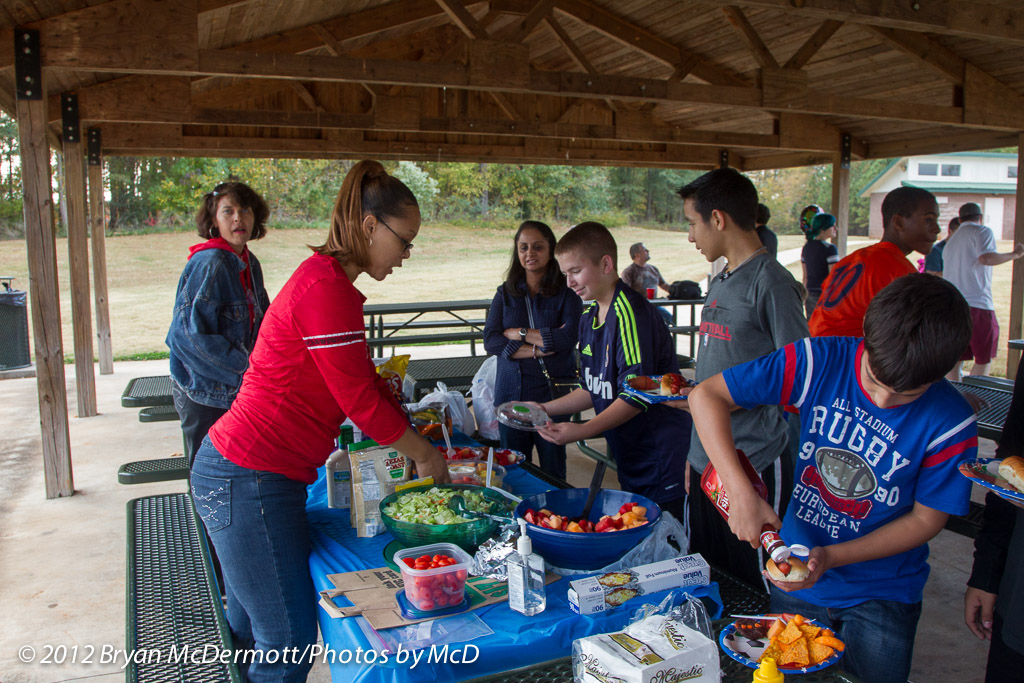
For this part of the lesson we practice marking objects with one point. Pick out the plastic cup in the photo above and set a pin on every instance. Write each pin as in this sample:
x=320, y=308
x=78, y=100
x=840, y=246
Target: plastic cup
x=650, y=292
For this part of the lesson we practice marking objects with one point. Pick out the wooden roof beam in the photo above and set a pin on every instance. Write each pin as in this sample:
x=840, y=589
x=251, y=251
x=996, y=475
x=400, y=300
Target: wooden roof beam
x=462, y=18
x=810, y=48
x=748, y=34
x=946, y=142
x=575, y=53
x=967, y=18
x=541, y=11
x=924, y=50
x=566, y=84
x=627, y=33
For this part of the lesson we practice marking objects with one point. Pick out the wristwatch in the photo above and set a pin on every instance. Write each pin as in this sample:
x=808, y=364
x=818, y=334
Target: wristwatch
x=522, y=333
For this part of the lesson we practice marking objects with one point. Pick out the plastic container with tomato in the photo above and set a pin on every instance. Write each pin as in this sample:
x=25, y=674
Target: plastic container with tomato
x=437, y=578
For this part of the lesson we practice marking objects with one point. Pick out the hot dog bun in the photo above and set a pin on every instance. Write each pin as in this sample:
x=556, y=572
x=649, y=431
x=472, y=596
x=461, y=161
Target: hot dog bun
x=671, y=384
x=1012, y=470
x=798, y=570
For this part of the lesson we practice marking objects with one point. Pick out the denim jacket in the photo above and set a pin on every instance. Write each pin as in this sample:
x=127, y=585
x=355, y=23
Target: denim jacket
x=210, y=336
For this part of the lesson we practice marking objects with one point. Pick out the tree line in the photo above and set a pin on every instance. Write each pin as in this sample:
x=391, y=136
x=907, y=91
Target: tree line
x=147, y=194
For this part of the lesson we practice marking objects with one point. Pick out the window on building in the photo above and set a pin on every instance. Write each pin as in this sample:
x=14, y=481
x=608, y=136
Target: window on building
x=927, y=169
x=1011, y=172
x=951, y=170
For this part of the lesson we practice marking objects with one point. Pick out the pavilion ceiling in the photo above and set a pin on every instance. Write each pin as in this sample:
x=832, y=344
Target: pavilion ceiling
x=621, y=82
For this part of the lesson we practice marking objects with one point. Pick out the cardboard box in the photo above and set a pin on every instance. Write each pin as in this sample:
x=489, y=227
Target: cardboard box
x=607, y=591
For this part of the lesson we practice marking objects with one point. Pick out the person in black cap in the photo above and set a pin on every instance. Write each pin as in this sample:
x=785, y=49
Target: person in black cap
x=817, y=257
x=967, y=262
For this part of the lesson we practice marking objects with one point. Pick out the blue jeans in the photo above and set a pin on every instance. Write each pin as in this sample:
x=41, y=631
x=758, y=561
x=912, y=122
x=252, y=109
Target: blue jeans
x=879, y=634
x=257, y=522
x=551, y=456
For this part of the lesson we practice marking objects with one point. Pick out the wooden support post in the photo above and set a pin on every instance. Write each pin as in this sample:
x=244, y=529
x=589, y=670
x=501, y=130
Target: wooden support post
x=41, y=246
x=1013, y=356
x=78, y=254
x=97, y=229
x=841, y=194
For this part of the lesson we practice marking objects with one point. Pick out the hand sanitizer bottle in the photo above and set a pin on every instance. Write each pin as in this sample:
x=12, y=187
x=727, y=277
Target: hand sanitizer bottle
x=525, y=577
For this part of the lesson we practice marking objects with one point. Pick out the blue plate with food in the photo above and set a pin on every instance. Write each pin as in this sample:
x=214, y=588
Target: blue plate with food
x=658, y=388
x=798, y=645
x=997, y=475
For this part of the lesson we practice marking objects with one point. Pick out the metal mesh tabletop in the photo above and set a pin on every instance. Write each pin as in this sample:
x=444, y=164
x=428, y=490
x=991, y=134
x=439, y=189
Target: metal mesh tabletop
x=148, y=391
x=147, y=471
x=457, y=373
x=172, y=598
x=992, y=417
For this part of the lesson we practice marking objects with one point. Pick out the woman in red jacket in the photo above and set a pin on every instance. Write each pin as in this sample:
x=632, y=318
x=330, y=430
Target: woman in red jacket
x=310, y=370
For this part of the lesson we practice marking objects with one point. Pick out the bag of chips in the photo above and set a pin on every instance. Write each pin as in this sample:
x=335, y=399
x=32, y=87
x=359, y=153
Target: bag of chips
x=392, y=370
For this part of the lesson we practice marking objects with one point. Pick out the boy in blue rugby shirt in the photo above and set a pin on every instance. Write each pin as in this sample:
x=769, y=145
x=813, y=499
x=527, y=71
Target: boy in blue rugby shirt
x=621, y=336
x=882, y=436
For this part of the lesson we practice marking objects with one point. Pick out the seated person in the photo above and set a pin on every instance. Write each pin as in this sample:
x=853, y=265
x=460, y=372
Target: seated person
x=643, y=277
x=620, y=337
x=882, y=435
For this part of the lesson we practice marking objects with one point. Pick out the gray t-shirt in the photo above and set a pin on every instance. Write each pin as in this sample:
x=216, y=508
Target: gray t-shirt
x=749, y=313
x=960, y=264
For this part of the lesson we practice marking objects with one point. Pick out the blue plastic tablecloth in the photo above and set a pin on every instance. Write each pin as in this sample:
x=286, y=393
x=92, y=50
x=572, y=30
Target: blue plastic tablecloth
x=517, y=640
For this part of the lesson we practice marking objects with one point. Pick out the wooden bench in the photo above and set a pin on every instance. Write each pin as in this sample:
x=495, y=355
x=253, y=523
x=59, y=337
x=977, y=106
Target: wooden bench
x=172, y=601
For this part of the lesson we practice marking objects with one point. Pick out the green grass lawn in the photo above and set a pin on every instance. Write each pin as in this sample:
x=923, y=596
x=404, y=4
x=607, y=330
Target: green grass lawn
x=449, y=262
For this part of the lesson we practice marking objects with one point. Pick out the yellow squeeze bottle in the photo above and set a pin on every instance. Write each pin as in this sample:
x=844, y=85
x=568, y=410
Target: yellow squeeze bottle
x=767, y=672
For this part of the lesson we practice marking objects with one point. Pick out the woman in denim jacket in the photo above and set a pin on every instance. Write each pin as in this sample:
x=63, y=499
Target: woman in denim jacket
x=534, y=280
x=217, y=310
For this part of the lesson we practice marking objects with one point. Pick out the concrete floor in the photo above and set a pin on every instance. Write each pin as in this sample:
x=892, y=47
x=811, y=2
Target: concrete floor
x=62, y=561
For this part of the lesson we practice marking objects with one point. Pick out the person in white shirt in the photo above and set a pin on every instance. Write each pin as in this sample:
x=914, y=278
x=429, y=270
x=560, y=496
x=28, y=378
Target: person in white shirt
x=967, y=262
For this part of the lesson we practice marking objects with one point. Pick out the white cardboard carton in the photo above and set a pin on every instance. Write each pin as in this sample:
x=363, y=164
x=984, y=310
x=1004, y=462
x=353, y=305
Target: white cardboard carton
x=607, y=591
x=657, y=649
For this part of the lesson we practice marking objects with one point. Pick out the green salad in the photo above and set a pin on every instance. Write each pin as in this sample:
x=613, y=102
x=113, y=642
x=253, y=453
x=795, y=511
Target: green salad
x=431, y=506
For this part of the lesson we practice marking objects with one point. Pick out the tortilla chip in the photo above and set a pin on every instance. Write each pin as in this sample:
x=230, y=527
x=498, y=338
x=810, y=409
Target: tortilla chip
x=796, y=655
x=810, y=630
x=773, y=650
x=791, y=634
x=819, y=652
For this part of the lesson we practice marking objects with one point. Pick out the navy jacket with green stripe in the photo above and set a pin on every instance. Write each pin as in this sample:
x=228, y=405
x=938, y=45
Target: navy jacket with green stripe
x=650, y=449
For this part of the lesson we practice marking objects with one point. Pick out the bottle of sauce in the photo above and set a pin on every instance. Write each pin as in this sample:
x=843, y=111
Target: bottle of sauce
x=712, y=486
x=768, y=672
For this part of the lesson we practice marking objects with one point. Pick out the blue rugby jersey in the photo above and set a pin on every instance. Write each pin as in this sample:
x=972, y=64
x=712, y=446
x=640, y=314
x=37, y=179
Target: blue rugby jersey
x=650, y=449
x=861, y=466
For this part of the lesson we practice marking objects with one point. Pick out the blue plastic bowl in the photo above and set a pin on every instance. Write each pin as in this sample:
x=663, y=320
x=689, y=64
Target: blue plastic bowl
x=585, y=550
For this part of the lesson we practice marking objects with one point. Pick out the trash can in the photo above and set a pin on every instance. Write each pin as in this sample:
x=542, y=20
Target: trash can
x=13, y=327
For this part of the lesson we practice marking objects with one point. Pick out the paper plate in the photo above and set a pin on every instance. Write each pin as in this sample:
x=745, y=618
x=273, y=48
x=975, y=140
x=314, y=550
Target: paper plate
x=985, y=472
x=519, y=415
x=747, y=651
x=650, y=396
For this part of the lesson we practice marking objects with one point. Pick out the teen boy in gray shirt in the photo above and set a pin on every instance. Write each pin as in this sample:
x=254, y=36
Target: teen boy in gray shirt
x=752, y=308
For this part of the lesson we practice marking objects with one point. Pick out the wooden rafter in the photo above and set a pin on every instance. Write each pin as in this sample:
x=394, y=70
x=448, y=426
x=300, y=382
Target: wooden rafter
x=575, y=52
x=627, y=33
x=748, y=34
x=967, y=18
x=810, y=48
x=926, y=51
x=541, y=10
x=305, y=95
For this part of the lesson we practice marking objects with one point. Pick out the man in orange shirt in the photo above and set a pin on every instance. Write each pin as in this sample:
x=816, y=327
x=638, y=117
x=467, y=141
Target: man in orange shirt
x=910, y=218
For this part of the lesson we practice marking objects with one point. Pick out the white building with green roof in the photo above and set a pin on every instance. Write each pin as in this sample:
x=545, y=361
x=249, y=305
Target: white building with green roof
x=988, y=179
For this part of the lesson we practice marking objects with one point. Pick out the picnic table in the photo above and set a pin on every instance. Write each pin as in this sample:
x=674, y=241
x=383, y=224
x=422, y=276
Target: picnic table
x=993, y=415
x=520, y=648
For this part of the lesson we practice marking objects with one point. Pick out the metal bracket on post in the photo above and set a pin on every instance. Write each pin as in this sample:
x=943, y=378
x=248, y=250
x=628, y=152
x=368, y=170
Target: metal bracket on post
x=28, y=65
x=723, y=158
x=70, y=125
x=844, y=151
x=95, y=142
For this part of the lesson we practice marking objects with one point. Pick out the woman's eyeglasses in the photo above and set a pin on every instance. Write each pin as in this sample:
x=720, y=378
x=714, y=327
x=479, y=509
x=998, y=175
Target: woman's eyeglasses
x=406, y=244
